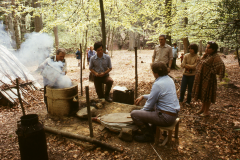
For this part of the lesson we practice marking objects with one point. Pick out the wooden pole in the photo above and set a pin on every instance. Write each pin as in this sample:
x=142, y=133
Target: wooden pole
x=136, y=74
x=81, y=69
x=82, y=138
x=89, y=111
x=19, y=97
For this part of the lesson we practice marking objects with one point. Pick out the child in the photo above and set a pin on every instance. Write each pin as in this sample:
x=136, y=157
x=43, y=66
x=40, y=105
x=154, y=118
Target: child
x=182, y=55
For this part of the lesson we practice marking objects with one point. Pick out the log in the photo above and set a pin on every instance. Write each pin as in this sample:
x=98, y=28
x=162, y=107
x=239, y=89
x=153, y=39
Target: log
x=82, y=138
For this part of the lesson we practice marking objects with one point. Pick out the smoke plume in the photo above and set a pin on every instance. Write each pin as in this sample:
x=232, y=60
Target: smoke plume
x=36, y=48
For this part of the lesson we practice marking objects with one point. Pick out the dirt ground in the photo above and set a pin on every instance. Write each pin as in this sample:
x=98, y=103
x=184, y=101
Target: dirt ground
x=199, y=138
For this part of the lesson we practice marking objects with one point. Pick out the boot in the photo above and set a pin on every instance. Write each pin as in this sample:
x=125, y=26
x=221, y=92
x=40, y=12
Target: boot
x=147, y=136
x=108, y=99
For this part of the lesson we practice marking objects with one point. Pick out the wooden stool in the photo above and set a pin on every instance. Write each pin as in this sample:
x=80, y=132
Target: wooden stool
x=170, y=130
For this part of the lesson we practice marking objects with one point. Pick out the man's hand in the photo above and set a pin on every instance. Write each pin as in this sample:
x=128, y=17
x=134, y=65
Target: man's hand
x=168, y=69
x=96, y=74
x=138, y=100
x=187, y=66
x=101, y=74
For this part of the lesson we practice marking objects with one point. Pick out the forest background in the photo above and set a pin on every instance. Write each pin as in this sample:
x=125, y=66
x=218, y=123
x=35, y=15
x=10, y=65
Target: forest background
x=128, y=23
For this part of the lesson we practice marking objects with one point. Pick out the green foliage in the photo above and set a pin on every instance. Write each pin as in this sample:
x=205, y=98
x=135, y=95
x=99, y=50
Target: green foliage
x=205, y=19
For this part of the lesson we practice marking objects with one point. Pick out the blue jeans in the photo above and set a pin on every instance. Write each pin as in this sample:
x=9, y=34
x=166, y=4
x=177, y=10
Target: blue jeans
x=187, y=81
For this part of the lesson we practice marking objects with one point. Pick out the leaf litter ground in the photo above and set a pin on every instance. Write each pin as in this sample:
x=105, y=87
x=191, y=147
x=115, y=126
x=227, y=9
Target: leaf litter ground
x=199, y=138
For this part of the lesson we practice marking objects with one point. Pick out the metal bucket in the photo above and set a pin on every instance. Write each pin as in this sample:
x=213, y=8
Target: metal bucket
x=31, y=138
x=60, y=101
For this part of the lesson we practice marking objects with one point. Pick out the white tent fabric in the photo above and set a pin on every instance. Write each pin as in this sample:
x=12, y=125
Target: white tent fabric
x=10, y=69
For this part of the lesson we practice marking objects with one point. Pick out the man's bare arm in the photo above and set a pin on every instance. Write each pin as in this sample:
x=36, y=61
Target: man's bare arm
x=170, y=63
x=108, y=70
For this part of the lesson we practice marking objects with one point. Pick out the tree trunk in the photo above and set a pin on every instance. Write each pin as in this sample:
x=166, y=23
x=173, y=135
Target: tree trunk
x=32, y=26
x=23, y=26
x=112, y=41
x=168, y=17
x=109, y=36
x=131, y=41
x=185, y=45
x=6, y=21
x=55, y=30
x=85, y=48
x=185, y=39
x=15, y=23
x=37, y=19
x=200, y=47
x=103, y=26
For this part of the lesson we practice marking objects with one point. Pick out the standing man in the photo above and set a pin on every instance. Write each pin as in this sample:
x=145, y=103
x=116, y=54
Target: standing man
x=175, y=55
x=60, y=56
x=78, y=56
x=163, y=53
x=91, y=53
x=100, y=65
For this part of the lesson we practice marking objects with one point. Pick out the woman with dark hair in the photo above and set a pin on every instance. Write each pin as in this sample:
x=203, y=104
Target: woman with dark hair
x=189, y=64
x=205, y=84
x=162, y=104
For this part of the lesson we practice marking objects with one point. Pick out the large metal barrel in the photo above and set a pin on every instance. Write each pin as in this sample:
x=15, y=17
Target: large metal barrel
x=60, y=101
x=31, y=138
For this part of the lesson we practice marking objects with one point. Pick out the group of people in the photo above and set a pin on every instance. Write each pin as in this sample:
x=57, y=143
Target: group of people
x=89, y=53
x=162, y=105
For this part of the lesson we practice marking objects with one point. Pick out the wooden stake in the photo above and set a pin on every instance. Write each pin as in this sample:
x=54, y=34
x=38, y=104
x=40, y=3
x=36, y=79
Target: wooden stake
x=136, y=74
x=19, y=97
x=81, y=69
x=89, y=111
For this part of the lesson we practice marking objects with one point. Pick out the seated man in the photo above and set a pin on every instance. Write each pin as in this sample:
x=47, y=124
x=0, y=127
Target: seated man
x=100, y=65
x=162, y=104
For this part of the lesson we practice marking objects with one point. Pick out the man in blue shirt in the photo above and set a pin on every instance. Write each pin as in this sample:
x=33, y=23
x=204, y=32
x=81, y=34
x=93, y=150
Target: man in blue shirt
x=78, y=56
x=91, y=53
x=100, y=65
x=162, y=104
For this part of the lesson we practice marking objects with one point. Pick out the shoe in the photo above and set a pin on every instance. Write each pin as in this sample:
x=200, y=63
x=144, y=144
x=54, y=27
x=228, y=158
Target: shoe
x=204, y=115
x=108, y=99
x=147, y=136
x=144, y=138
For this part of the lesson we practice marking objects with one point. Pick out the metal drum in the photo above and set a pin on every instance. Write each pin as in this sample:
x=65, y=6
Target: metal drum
x=31, y=138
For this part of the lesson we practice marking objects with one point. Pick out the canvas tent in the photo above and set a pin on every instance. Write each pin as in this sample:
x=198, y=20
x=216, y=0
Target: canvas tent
x=10, y=69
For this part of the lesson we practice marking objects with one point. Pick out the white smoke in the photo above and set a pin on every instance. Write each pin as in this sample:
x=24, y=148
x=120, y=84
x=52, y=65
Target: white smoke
x=36, y=48
x=5, y=38
x=54, y=77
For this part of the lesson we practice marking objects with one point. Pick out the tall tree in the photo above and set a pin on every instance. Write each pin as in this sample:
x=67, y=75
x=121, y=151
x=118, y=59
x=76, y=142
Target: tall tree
x=37, y=18
x=16, y=26
x=103, y=25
